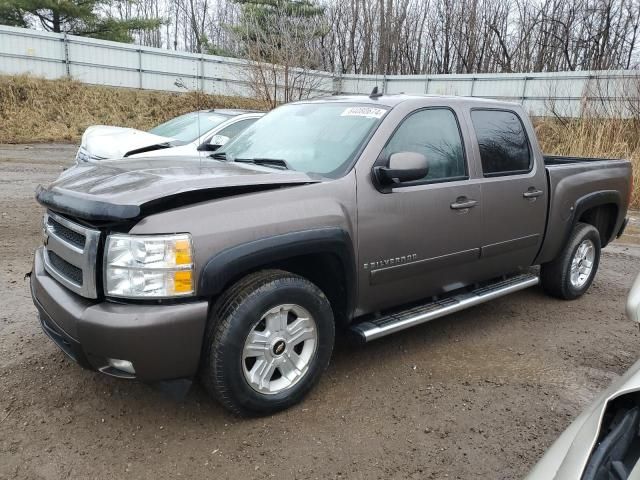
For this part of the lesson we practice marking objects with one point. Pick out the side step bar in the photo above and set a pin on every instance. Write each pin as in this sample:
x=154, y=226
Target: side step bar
x=394, y=322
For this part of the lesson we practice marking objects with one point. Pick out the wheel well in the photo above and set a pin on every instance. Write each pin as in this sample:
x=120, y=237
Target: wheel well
x=603, y=217
x=326, y=271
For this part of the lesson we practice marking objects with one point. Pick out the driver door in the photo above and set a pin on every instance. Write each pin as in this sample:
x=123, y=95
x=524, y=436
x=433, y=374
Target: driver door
x=420, y=238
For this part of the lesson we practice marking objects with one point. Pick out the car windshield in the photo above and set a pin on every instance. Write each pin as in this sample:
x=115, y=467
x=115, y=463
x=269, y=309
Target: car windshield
x=190, y=126
x=320, y=138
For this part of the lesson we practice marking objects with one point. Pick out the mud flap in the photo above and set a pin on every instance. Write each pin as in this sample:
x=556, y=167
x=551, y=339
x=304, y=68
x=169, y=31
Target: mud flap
x=176, y=390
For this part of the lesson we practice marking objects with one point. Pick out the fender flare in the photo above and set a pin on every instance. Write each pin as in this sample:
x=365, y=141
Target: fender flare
x=596, y=199
x=589, y=201
x=232, y=263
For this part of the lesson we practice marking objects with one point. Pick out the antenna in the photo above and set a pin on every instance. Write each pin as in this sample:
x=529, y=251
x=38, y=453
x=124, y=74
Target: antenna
x=375, y=93
x=199, y=90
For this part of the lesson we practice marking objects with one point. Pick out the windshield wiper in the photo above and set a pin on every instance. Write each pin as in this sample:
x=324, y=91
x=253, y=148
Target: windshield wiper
x=269, y=162
x=219, y=156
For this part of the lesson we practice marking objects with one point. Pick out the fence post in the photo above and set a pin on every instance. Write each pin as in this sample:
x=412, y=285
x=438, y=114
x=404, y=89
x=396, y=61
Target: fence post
x=523, y=97
x=426, y=85
x=65, y=42
x=473, y=84
x=140, y=68
x=384, y=84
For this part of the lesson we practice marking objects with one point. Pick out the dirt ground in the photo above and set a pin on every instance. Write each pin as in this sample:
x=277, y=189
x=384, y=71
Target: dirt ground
x=479, y=394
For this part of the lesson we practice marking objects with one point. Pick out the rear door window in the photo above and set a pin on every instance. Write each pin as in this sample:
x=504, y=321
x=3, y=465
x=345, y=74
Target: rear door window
x=504, y=146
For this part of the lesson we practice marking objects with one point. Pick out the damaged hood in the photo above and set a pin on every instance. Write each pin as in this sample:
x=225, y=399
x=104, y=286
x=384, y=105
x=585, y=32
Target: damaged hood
x=103, y=141
x=126, y=189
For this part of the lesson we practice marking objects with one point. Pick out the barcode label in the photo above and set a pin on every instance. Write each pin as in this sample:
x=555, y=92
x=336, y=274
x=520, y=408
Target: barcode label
x=371, y=112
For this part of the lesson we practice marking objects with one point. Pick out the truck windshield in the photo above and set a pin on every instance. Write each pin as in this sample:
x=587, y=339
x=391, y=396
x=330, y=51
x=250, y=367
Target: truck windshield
x=320, y=138
x=190, y=126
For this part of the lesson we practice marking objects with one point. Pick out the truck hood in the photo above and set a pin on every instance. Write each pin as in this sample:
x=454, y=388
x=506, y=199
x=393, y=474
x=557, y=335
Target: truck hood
x=115, y=190
x=103, y=141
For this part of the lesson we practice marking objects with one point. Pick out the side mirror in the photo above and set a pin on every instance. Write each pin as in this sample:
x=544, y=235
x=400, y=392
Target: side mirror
x=214, y=143
x=403, y=167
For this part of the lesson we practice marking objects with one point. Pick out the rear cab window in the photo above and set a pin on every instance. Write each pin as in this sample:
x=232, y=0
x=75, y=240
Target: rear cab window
x=503, y=142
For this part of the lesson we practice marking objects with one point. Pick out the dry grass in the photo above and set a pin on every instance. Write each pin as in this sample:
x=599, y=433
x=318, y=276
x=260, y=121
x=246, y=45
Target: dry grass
x=594, y=137
x=37, y=110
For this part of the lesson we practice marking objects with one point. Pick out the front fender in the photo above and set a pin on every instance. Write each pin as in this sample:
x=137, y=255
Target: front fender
x=234, y=262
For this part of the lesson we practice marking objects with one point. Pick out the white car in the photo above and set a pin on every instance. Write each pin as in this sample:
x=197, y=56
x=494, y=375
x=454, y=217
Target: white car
x=187, y=135
x=603, y=443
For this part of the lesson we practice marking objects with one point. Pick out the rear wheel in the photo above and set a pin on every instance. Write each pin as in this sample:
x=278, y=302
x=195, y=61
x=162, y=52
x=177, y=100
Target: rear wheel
x=570, y=275
x=268, y=341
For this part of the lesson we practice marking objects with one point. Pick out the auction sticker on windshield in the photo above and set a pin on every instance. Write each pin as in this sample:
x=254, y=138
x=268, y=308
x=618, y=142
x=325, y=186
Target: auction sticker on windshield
x=370, y=112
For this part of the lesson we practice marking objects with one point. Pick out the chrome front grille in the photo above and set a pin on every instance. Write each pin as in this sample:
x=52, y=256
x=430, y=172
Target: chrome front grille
x=64, y=268
x=66, y=233
x=70, y=254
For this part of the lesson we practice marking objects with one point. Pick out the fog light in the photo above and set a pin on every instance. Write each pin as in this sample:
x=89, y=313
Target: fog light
x=124, y=365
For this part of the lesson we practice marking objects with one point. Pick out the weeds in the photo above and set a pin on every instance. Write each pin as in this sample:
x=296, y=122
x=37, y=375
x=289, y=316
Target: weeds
x=37, y=110
x=594, y=137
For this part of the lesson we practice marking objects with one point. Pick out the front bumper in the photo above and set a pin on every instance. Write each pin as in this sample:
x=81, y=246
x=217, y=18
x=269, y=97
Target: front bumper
x=162, y=341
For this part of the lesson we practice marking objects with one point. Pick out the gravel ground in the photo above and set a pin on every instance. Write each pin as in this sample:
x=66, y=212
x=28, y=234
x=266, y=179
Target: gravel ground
x=480, y=394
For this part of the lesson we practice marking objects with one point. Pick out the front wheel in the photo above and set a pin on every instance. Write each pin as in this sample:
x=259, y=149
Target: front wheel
x=570, y=275
x=268, y=342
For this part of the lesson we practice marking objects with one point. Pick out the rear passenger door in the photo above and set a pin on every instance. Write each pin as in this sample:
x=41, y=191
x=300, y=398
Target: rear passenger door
x=514, y=191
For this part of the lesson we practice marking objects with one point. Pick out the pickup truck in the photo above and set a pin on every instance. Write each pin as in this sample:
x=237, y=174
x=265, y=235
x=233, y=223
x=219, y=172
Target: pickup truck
x=361, y=214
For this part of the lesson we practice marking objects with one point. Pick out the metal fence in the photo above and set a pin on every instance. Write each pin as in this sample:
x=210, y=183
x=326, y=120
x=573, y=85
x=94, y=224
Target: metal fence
x=53, y=55
x=604, y=93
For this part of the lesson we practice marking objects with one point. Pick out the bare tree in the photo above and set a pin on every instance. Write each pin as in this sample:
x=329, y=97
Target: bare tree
x=412, y=36
x=281, y=42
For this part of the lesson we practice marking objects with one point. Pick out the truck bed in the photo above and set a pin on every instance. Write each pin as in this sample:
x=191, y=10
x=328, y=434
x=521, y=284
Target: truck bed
x=572, y=180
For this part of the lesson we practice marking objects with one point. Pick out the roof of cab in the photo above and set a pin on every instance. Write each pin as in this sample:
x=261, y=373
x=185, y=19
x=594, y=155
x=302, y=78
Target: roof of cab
x=395, y=99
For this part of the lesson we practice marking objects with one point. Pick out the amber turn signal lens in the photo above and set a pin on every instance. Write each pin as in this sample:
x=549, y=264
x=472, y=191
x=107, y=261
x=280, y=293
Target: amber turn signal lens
x=183, y=281
x=183, y=252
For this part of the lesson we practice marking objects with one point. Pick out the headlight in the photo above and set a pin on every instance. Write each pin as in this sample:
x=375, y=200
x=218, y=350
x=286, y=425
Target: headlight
x=82, y=155
x=154, y=266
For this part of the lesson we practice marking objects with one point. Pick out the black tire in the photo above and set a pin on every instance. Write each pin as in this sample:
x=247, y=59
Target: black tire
x=556, y=275
x=235, y=315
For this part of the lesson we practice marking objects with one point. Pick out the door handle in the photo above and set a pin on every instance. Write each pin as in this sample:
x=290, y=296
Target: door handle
x=463, y=203
x=532, y=193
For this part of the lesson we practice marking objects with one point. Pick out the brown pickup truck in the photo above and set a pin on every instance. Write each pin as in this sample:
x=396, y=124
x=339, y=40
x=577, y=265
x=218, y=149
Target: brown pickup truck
x=363, y=214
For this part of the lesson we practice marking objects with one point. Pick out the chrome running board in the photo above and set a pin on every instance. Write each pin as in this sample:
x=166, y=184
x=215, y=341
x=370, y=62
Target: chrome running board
x=394, y=322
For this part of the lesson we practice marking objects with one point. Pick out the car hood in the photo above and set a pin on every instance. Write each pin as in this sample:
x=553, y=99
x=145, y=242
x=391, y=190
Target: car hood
x=126, y=189
x=104, y=141
x=568, y=456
